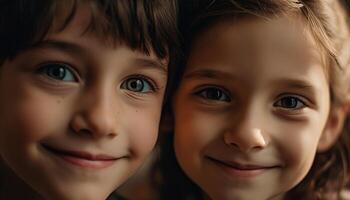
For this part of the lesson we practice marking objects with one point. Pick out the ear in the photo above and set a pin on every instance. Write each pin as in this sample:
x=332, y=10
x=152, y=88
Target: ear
x=333, y=128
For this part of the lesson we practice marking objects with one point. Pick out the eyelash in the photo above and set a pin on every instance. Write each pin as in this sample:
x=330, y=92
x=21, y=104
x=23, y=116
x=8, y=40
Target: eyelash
x=203, y=93
x=296, y=100
x=44, y=69
x=152, y=84
x=63, y=70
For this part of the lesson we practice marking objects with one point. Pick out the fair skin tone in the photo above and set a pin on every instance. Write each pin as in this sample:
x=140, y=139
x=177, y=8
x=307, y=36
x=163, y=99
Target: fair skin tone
x=252, y=109
x=78, y=115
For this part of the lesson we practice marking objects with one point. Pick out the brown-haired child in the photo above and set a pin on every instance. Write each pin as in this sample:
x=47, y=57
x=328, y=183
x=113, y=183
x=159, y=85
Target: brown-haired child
x=263, y=97
x=82, y=84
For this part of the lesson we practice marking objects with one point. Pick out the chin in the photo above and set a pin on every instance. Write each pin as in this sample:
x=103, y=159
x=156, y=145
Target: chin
x=85, y=196
x=236, y=196
x=77, y=194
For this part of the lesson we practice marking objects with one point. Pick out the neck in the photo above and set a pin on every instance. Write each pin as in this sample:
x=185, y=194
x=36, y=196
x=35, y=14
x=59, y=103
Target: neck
x=12, y=187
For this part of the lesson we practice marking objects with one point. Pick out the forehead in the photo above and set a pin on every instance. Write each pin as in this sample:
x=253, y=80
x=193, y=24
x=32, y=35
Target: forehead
x=252, y=40
x=258, y=52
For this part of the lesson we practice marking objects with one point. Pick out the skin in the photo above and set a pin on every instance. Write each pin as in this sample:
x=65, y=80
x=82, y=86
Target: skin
x=252, y=108
x=108, y=103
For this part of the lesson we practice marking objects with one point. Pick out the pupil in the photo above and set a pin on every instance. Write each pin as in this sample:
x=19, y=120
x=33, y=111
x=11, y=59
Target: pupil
x=136, y=85
x=289, y=102
x=214, y=94
x=58, y=72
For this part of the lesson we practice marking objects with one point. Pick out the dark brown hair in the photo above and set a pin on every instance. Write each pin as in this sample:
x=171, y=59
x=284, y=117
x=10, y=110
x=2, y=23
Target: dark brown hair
x=142, y=25
x=328, y=21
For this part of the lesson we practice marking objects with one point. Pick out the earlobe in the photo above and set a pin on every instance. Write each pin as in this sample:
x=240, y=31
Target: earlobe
x=333, y=128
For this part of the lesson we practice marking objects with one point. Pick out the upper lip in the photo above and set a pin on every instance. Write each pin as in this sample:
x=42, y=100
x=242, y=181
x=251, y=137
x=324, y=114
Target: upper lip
x=240, y=165
x=80, y=154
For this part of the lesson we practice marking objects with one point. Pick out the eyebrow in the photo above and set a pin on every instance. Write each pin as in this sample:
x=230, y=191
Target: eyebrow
x=296, y=84
x=60, y=45
x=300, y=85
x=208, y=74
x=219, y=75
x=152, y=64
x=76, y=49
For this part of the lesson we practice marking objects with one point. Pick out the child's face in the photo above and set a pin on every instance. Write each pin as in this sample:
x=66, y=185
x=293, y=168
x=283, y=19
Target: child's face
x=251, y=108
x=78, y=115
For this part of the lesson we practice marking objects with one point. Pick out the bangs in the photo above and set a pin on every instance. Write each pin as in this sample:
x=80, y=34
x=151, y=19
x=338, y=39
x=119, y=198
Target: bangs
x=142, y=25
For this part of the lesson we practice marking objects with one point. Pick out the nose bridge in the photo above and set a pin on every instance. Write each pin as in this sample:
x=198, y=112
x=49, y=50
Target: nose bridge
x=247, y=131
x=96, y=113
x=251, y=118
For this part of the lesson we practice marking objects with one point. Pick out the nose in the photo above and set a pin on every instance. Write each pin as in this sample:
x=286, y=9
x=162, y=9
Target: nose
x=95, y=115
x=246, y=134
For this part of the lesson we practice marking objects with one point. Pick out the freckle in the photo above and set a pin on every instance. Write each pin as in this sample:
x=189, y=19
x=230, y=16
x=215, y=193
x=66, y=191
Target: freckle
x=60, y=100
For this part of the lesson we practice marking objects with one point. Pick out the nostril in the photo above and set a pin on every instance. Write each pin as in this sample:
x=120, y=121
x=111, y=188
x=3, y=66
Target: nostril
x=245, y=141
x=79, y=125
x=111, y=135
x=87, y=133
x=258, y=148
x=93, y=125
x=82, y=132
x=234, y=145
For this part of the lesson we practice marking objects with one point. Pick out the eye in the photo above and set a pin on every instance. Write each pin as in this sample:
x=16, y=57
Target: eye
x=58, y=71
x=214, y=94
x=141, y=85
x=290, y=102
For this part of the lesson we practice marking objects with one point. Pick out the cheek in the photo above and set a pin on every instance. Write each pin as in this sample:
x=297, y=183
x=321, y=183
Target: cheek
x=195, y=130
x=26, y=117
x=142, y=126
x=298, y=151
x=27, y=114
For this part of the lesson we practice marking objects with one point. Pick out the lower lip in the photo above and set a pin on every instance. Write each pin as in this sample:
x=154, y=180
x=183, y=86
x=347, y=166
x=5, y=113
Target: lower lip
x=241, y=173
x=82, y=163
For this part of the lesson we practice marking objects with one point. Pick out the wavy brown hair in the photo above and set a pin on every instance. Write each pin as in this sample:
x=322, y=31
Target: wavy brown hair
x=329, y=22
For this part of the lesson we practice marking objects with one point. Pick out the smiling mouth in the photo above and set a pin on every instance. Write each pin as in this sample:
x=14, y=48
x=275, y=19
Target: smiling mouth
x=81, y=159
x=241, y=170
